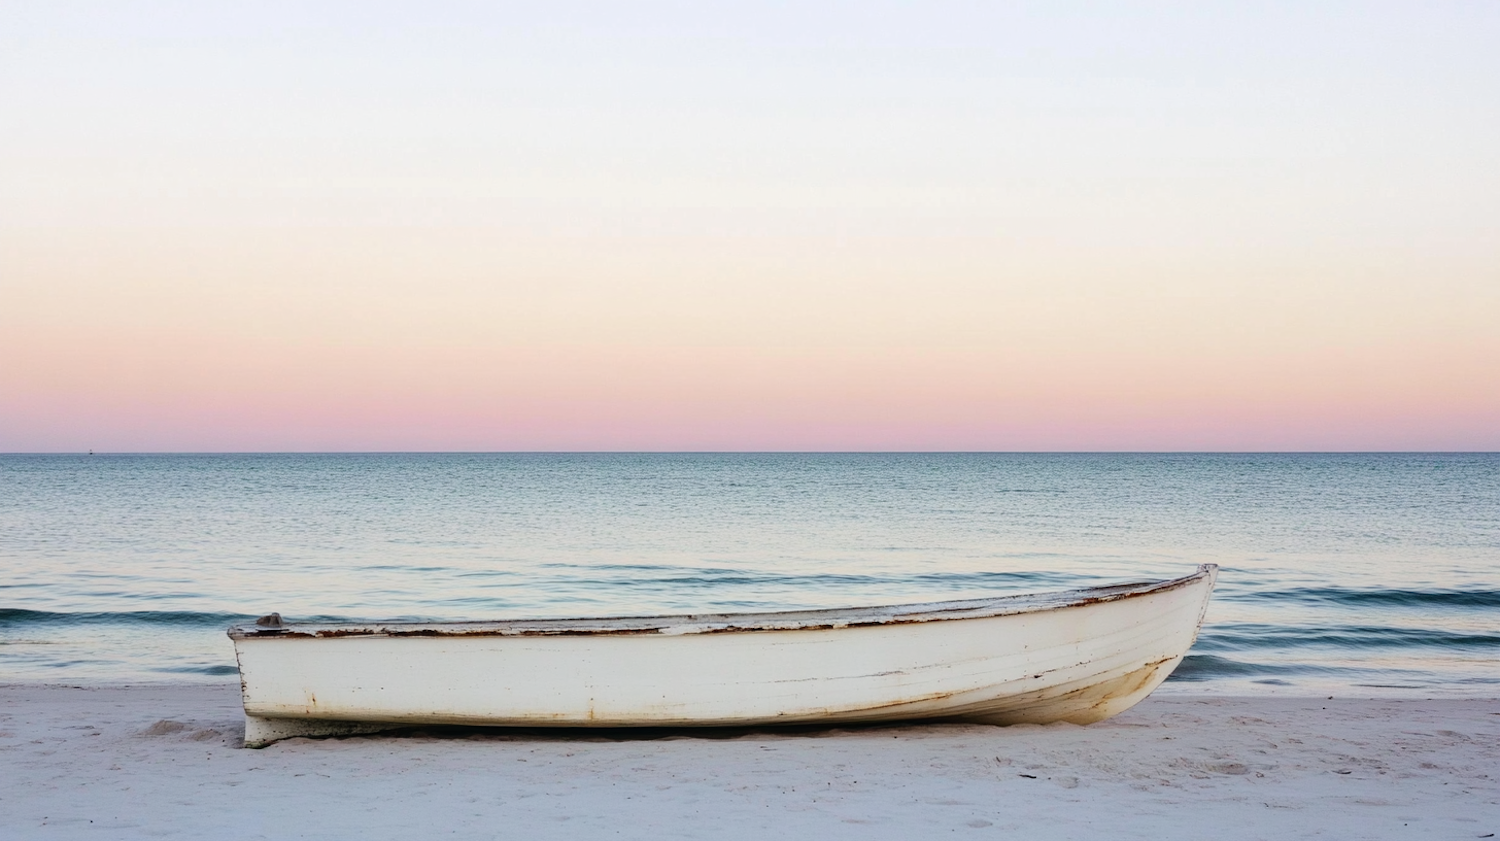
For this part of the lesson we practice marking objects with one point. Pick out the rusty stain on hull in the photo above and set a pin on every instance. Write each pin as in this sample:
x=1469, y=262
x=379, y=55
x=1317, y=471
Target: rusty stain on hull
x=1078, y=656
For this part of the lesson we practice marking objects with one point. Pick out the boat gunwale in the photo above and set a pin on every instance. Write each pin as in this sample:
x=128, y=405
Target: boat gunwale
x=711, y=623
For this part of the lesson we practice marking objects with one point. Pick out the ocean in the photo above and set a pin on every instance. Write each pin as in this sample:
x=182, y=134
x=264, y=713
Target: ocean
x=1370, y=574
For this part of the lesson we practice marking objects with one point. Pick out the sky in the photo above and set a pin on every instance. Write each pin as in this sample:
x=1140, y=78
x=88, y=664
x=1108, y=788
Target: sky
x=749, y=226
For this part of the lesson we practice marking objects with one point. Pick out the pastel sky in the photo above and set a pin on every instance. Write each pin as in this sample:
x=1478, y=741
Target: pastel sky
x=757, y=226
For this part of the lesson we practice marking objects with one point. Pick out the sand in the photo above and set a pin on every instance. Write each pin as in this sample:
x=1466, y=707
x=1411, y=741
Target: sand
x=165, y=762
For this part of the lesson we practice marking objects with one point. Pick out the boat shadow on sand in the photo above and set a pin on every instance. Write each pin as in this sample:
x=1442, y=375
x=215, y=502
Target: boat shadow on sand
x=474, y=733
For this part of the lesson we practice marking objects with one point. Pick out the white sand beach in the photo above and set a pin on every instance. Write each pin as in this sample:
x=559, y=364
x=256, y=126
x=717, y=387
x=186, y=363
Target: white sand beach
x=165, y=761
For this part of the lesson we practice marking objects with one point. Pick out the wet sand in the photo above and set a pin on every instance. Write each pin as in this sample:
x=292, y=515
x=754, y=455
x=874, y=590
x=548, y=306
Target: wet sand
x=165, y=761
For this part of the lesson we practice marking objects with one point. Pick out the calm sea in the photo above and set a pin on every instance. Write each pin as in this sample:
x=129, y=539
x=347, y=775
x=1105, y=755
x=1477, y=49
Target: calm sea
x=1368, y=574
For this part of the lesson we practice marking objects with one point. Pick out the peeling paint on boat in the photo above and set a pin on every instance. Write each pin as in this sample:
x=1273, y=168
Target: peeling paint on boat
x=1078, y=656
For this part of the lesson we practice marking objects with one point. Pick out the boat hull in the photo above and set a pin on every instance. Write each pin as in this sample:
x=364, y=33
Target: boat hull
x=1079, y=659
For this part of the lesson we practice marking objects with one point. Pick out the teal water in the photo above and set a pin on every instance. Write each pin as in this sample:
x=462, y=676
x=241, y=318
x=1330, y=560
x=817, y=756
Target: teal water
x=1377, y=574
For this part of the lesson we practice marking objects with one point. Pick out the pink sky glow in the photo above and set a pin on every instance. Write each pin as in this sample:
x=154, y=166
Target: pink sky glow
x=974, y=227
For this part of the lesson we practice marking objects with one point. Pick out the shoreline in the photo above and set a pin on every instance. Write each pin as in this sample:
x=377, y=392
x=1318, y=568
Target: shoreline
x=165, y=760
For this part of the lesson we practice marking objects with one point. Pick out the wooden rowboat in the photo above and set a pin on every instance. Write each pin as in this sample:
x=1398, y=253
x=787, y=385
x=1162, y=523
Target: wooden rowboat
x=1079, y=656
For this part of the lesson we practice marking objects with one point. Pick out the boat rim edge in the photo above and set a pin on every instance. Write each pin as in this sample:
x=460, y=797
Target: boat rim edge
x=703, y=623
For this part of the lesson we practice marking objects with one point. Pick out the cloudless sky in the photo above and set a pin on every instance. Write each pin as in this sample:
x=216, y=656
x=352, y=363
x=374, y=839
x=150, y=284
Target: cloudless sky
x=757, y=226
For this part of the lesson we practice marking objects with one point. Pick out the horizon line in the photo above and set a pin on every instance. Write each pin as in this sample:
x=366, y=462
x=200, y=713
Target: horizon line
x=725, y=452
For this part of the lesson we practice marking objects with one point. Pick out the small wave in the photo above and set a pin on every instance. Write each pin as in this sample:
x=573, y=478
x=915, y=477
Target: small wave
x=1396, y=598
x=199, y=670
x=1199, y=667
x=16, y=618
x=1240, y=637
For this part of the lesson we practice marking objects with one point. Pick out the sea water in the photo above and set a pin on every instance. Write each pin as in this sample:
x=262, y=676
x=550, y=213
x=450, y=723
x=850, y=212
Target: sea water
x=1368, y=574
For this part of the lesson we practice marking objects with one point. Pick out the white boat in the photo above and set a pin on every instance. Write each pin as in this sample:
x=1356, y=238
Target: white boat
x=1079, y=656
